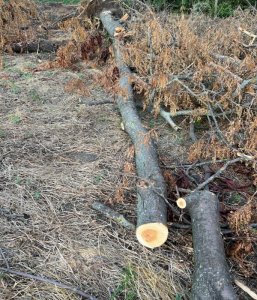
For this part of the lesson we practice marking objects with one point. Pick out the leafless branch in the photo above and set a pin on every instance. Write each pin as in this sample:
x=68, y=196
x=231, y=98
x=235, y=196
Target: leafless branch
x=224, y=140
x=192, y=132
x=49, y=281
x=219, y=132
x=173, y=209
x=217, y=174
x=246, y=289
x=226, y=71
x=192, y=93
x=93, y=102
x=166, y=115
x=112, y=214
x=228, y=59
x=187, y=165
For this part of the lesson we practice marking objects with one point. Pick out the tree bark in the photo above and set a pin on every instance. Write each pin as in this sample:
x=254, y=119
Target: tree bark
x=151, y=188
x=211, y=279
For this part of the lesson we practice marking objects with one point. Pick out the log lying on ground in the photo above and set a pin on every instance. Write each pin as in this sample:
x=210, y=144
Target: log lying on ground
x=151, y=229
x=37, y=46
x=211, y=278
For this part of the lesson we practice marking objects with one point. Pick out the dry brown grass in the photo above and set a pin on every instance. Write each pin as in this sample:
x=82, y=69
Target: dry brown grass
x=59, y=155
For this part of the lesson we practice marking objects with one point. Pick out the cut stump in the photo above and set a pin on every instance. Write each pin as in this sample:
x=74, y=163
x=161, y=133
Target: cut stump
x=152, y=235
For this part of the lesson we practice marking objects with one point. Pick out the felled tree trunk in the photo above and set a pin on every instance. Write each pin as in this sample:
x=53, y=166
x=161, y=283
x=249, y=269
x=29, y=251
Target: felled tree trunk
x=211, y=278
x=151, y=229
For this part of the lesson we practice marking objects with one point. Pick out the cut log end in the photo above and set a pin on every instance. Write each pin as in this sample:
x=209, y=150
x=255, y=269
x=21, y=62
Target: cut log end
x=152, y=235
x=181, y=203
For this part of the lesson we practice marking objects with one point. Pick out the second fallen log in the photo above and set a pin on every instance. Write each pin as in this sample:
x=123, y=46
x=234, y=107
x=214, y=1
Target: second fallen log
x=211, y=278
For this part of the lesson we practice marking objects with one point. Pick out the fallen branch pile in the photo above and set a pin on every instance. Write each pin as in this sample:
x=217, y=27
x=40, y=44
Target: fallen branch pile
x=191, y=67
x=15, y=22
x=211, y=277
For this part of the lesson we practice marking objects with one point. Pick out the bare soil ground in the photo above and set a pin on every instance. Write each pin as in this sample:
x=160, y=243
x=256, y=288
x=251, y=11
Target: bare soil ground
x=57, y=156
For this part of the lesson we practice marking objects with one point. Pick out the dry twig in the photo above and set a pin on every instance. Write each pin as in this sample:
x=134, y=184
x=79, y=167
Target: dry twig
x=246, y=289
x=217, y=174
x=112, y=214
x=49, y=281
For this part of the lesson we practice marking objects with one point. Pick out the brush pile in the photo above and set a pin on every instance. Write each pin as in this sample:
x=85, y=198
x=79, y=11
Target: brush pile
x=204, y=68
x=16, y=19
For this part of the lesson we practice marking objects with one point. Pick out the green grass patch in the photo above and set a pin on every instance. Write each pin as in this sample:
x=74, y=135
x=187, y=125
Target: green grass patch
x=27, y=75
x=37, y=195
x=35, y=97
x=15, y=89
x=17, y=180
x=3, y=133
x=126, y=289
x=15, y=119
x=97, y=179
x=221, y=8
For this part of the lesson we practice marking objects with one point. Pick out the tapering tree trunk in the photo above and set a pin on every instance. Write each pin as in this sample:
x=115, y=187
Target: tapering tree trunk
x=151, y=230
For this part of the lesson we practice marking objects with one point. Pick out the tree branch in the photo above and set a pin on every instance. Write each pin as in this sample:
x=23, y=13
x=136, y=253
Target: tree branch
x=49, y=281
x=217, y=174
x=111, y=214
